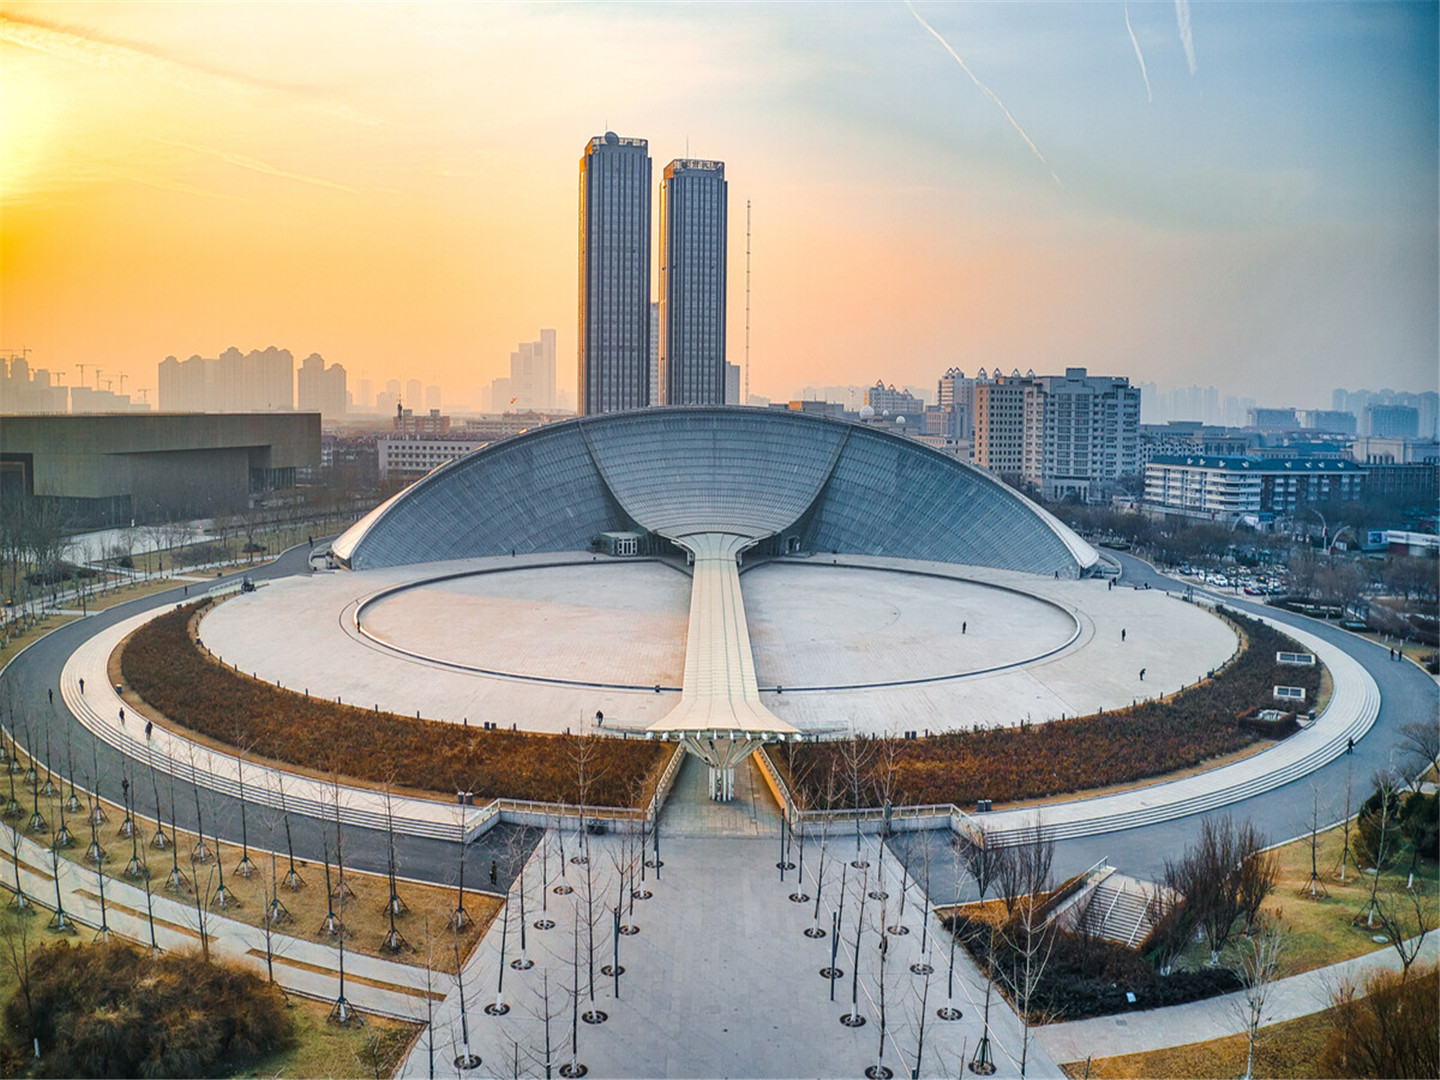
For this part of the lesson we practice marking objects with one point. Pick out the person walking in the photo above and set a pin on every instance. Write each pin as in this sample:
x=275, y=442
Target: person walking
x=1142, y=674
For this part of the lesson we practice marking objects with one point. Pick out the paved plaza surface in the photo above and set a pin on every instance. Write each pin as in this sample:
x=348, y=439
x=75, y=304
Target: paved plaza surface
x=720, y=979
x=576, y=634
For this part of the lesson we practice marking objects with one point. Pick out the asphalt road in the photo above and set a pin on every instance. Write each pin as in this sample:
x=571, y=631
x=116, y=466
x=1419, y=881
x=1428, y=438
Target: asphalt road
x=1407, y=695
x=24, y=687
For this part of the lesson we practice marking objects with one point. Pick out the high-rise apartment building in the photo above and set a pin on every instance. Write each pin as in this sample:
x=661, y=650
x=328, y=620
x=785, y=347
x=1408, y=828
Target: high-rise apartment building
x=319, y=388
x=1090, y=433
x=1066, y=434
x=955, y=397
x=1388, y=421
x=1000, y=423
x=614, y=338
x=693, y=198
x=532, y=374
x=257, y=381
x=1272, y=419
x=888, y=401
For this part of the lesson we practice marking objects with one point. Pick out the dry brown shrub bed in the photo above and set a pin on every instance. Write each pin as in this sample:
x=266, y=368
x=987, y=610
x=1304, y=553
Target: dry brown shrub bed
x=1008, y=764
x=162, y=664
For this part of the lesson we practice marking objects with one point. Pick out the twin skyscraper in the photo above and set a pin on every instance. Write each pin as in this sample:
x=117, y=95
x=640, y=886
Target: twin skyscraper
x=615, y=342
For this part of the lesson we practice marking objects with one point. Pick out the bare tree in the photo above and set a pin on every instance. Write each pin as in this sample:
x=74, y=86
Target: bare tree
x=1207, y=877
x=1258, y=968
x=1378, y=834
x=16, y=936
x=1407, y=917
x=394, y=905
x=1349, y=799
x=1420, y=748
x=246, y=866
x=1256, y=874
x=855, y=754
x=1315, y=888
x=1027, y=933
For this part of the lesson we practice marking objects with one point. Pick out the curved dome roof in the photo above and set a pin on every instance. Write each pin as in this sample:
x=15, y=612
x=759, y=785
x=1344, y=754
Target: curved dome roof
x=816, y=484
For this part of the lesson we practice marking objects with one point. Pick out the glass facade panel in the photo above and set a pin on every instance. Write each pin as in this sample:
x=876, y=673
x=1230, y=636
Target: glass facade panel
x=842, y=487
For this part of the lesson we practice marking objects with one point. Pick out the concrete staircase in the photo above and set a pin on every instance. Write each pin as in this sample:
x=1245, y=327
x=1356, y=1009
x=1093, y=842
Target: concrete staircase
x=1116, y=913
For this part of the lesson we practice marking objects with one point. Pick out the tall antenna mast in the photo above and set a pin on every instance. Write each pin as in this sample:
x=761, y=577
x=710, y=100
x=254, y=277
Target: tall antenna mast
x=747, y=303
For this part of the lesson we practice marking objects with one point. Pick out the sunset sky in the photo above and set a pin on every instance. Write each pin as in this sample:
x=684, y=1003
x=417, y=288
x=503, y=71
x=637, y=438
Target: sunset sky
x=1242, y=195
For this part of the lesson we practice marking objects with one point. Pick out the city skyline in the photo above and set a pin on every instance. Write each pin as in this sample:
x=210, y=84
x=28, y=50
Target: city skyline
x=1259, y=205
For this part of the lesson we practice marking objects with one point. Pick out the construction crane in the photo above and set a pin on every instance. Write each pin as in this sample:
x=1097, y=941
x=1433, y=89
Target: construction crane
x=97, y=378
x=82, y=368
x=144, y=392
x=122, y=382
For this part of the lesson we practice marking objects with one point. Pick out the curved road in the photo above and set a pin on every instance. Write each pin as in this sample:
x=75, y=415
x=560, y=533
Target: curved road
x=26, y=680
x=1408, y=695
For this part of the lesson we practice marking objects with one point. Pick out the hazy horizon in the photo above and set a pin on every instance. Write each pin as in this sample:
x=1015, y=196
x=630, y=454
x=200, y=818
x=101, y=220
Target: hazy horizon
x=1251, y=204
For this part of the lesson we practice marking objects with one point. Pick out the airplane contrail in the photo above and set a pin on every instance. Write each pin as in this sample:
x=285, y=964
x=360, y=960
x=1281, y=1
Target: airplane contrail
x=984, y=89
x=240, y=161
x=1138, y=55
x=1187, y=38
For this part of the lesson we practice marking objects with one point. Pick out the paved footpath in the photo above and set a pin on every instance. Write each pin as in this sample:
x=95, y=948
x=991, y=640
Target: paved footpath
x=1215, y=1018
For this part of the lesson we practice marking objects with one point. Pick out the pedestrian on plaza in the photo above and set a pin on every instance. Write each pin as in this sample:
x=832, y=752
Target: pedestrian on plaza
x=1122, y=633
x=149, y=727
x=963, y=625
x=51, y=692
x=122, y=717
x=82, y=685
x=1142, y=674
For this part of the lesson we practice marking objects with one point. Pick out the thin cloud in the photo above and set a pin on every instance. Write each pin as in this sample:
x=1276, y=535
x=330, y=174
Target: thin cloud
x=984, y=89
x=1187, y=38
x=256, y=165
x=1138, y=54
x=96, y=51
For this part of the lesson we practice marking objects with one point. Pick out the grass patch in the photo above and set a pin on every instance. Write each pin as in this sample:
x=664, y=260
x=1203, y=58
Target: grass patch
x=162, y=664
x=1285, y=1051
x=370, y=1046
x=1011, y=764
x=1323, y=931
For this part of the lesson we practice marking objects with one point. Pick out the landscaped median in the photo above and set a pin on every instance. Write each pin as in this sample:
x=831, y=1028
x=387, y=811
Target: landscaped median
x=1009, y=764
x=186, y=686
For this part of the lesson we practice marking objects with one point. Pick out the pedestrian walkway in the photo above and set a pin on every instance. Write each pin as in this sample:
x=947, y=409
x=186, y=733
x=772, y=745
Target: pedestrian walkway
x=719, y=976
x=1217, y=1017
x=689, y=811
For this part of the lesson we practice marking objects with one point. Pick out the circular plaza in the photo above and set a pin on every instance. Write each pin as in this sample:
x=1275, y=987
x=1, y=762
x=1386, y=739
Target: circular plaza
x=826, y=576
